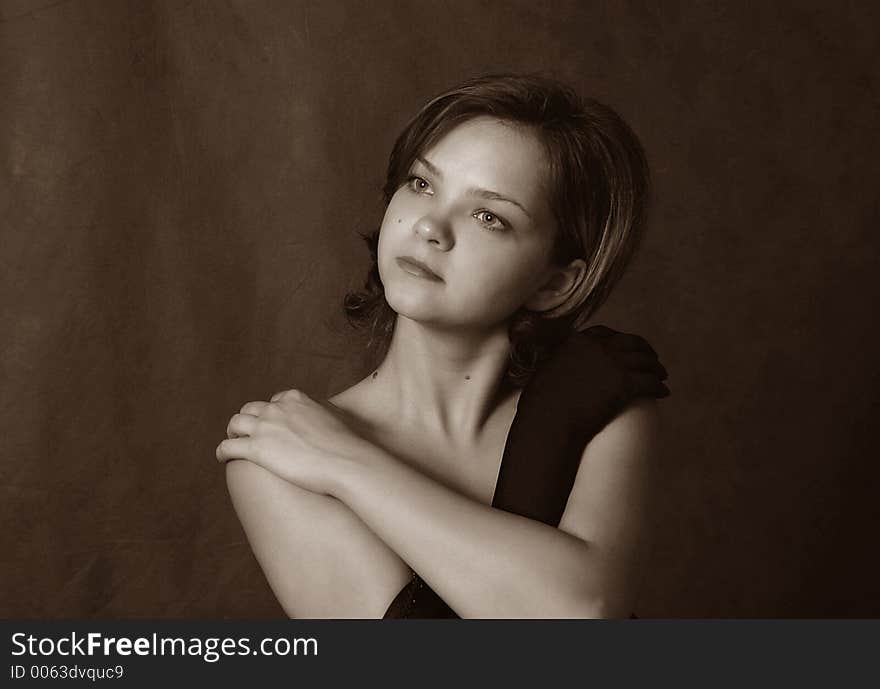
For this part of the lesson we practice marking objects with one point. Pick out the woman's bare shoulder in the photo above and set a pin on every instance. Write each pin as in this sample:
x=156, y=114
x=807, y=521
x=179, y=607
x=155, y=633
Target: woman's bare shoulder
x=358, y=407
x=248, y=479
x=317, y=555
x=257, y=494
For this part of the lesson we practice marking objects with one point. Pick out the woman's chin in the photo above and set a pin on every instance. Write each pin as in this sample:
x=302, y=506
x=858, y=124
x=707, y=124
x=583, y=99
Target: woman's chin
x=427, y=309
x=414, y=310
x=415, y=307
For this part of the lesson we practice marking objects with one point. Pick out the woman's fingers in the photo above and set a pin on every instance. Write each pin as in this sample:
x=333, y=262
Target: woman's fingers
x=647, y=384
x=254, y=408
x=293, y=394
x=643, y=362
x=629, y=342
x=234, y=448
x=617, y=341
x=601, y=331
x=241, y=424
x=239, y=443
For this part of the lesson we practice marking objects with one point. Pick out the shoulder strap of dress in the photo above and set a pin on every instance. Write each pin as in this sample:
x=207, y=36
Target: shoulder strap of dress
x=569, y=399
x=538, y=467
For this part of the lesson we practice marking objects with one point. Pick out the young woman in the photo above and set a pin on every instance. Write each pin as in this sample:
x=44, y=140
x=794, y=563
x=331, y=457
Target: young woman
x=496, y=462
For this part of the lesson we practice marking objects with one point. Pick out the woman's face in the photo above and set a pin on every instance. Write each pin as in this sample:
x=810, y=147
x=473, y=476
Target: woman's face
x=475, y=212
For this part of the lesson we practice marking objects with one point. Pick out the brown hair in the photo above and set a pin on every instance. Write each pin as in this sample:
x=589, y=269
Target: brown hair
x=599, y=191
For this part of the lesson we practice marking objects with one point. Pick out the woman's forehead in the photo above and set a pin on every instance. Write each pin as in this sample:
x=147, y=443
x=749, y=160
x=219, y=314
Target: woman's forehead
x=493, y=137
x=493, y=154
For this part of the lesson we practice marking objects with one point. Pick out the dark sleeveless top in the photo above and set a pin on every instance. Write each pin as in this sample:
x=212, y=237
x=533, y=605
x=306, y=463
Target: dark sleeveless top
x=539, y=464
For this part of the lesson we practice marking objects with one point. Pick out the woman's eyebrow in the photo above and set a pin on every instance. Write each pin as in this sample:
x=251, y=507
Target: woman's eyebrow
x=475, y=191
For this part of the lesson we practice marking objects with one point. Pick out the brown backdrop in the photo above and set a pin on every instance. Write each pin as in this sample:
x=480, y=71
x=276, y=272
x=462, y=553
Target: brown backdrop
x=181, y=187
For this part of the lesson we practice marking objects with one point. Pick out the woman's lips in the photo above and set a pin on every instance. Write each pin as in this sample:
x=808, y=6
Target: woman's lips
x=417, y=268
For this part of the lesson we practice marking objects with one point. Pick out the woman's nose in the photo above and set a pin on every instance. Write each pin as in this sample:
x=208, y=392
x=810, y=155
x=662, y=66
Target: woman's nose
x=435, y=232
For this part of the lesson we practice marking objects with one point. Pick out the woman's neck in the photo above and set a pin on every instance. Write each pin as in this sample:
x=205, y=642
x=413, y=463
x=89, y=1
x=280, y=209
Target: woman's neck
x=442, y=382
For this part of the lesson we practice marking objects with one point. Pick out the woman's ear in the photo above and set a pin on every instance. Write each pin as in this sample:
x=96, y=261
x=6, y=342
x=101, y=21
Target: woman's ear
x=558, y=287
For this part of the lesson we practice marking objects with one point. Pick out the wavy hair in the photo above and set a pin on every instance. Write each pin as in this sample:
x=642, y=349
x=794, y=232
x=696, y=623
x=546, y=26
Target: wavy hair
x=599, y=190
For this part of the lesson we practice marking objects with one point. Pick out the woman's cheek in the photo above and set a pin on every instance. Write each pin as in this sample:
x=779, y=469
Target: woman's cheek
x=493, y=292
x=512, y=288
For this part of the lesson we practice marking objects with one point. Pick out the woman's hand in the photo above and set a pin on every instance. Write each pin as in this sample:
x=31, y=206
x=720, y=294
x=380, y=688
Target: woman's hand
x=634, y=355
x=294, y=437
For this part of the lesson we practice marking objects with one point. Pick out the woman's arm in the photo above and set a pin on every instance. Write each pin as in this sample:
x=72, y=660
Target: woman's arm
x=486, y=562
x=318, y=557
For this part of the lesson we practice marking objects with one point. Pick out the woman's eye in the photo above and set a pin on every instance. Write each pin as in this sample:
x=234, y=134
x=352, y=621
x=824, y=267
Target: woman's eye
x=418, y=184
x=490, y=220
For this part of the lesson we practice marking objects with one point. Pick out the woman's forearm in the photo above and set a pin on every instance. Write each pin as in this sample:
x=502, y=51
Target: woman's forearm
x=482, y=561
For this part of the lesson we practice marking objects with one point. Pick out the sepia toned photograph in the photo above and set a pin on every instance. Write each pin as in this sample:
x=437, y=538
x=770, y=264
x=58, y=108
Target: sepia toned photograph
x=472, y=310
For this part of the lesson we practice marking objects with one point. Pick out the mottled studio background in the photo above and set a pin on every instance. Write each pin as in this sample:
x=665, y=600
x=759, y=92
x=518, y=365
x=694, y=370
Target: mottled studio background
x=180, y=188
